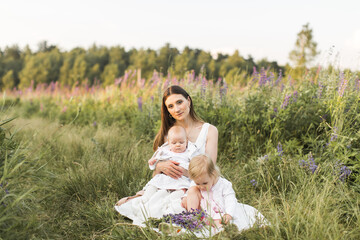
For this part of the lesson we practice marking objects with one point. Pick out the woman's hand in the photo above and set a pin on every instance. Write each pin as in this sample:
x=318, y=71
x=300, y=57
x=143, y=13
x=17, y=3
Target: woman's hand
x=170, y=168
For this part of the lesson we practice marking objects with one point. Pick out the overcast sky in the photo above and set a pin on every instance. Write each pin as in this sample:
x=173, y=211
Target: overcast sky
x=262, y=28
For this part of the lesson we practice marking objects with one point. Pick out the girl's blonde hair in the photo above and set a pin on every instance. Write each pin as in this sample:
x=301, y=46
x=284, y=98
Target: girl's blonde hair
x=202, y=164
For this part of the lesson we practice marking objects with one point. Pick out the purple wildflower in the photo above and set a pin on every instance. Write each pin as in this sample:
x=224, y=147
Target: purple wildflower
x=190, y=220
x=310, y=164
x=94, y=124
x=203, y=85
x=295, y=96
x=140, y=103
x=343, y=84
x=279, y=149
x=255, y=75
x=263, y=78
x=253, y=182
x=279, y=78
x=286, y=101
x=320, y=90
x=342, y=171
x=223, y=89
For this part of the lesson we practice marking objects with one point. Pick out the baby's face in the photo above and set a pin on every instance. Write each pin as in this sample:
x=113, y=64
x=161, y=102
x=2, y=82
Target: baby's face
x=177, y=143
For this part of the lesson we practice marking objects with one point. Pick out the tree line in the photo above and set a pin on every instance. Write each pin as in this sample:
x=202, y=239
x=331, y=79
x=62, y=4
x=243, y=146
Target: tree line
x=102, y=65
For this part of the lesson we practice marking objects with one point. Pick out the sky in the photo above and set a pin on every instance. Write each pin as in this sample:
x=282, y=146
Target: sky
x=260, y=28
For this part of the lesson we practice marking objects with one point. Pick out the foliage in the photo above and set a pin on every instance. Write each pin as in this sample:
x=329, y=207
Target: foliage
x=101, y=65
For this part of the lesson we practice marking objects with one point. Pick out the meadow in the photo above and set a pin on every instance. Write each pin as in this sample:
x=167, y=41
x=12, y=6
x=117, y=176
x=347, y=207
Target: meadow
x=290, y=148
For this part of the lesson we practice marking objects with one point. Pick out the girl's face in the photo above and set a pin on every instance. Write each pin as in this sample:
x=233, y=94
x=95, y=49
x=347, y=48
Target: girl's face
x=205, y=182
x=178, y=106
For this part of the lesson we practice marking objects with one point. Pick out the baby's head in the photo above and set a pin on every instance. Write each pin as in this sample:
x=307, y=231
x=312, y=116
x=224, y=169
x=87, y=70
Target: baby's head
x=203, y=172
x=177, y=139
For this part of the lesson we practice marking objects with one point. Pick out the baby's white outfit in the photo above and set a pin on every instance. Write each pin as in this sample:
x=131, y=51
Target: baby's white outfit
x=162, y=181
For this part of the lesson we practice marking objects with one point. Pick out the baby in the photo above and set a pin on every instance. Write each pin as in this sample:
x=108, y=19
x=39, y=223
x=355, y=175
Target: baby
x=178, y=149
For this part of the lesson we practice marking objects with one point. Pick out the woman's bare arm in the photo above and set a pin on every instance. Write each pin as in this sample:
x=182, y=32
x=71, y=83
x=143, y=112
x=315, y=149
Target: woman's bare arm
x=170, y=168
x=211, y=147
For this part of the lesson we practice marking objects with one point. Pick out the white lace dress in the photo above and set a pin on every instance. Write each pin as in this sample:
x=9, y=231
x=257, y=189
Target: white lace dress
x=161, y=201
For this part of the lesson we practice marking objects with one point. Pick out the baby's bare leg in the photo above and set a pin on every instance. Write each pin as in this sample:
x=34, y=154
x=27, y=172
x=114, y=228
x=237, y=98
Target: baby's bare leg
x=193, y=198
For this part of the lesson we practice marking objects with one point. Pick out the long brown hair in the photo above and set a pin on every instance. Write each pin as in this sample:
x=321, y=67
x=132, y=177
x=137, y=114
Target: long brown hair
x=166, y=121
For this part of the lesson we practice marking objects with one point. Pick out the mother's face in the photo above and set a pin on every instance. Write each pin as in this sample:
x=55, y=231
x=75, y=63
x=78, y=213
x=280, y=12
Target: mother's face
x=178, y=106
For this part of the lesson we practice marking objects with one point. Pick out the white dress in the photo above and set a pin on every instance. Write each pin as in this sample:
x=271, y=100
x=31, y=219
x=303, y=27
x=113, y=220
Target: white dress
x=161, y=202
x=221, y=200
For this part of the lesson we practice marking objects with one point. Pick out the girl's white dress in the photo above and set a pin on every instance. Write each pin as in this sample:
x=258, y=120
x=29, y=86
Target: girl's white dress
x=221, y=200
x=164, y=202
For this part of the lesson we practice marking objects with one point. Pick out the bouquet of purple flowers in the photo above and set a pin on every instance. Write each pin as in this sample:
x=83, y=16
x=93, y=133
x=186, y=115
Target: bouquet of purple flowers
x=189, y=220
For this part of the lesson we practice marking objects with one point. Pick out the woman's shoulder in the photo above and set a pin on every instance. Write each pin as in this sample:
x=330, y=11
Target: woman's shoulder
x=213, y=131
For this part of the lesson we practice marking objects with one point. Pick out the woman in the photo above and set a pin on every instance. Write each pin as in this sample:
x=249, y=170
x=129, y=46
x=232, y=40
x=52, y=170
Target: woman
x=177, y=109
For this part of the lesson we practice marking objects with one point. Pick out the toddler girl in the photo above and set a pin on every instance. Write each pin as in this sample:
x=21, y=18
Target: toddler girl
x=216, y=196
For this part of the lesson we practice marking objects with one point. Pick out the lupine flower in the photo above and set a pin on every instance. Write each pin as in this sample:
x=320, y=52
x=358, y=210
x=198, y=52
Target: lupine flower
x=140, y=103
x=271, y=78
x=279, y=78
x=203, y=85
x=190, y=220
x=223, y=89
x=310, y=164
x=64, y=109
x=286, y=101
x=117, y=81
x=263, y=78
x=343, y=84
x=342, y=171
x=279, y=149
x=320, y=90
x=255, y=75
x=94, y=124
x=295, y=96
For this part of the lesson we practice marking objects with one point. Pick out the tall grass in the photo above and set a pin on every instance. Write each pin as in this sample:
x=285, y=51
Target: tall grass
x=287, y=147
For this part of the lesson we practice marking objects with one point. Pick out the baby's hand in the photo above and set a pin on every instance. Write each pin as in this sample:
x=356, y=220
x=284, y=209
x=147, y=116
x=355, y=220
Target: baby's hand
x=226, y=218
x=152, y=161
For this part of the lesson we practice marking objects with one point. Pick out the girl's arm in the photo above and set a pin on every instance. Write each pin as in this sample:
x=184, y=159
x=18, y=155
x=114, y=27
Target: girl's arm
x=211, y=147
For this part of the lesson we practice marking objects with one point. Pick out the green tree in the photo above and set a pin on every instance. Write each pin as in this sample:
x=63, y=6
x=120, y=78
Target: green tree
x=43, y=67
x=305, y=48
x=111, y=72
x=166, y=58
x=8, y=80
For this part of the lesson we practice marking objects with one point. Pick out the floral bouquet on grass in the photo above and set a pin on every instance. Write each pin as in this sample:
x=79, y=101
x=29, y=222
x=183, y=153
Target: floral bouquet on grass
x=193, y=221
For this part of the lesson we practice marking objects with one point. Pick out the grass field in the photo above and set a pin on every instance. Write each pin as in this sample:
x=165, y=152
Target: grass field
x=289, y=148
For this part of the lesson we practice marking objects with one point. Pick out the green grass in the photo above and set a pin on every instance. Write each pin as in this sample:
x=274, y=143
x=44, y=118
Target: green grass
x=79, y=173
